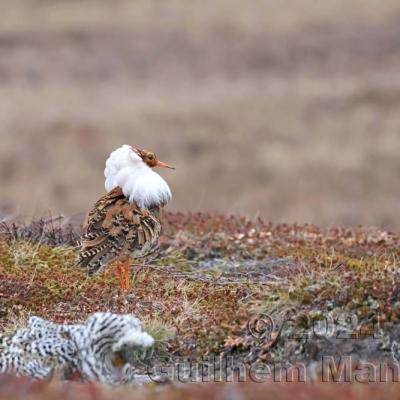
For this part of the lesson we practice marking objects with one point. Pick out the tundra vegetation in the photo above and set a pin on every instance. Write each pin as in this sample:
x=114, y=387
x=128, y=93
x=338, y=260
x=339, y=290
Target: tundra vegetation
x=329, y=292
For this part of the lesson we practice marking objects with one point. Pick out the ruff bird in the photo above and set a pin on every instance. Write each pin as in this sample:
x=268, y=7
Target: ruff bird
x=126, y=222
x=98, y=350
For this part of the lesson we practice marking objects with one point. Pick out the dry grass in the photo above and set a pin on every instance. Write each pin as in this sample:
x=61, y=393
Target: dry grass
x=287, y=110
x=237, y=269
x=213, y=275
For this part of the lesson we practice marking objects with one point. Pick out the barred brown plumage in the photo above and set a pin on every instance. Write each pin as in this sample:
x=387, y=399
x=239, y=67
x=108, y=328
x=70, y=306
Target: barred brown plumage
x=126, y=222
x=117, y=228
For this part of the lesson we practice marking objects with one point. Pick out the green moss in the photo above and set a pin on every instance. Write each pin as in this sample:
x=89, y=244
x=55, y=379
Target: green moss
x=176, y=260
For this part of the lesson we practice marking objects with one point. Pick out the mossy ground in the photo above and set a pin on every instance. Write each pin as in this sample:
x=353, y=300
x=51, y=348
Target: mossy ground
x=213, y=275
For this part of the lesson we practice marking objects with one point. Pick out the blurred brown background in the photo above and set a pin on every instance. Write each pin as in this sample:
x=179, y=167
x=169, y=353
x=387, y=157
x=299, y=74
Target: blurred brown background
x=285, y=109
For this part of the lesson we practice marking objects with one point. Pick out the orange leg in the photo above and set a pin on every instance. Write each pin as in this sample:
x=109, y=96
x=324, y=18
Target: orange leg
x=119, y=269
x=127, y=281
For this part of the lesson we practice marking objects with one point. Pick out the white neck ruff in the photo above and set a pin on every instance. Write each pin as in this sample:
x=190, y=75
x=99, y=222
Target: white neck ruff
x=139, y=183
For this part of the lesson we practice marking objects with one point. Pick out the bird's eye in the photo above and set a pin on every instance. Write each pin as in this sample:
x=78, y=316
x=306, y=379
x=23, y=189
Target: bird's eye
x=150, y=156
x=118, y=359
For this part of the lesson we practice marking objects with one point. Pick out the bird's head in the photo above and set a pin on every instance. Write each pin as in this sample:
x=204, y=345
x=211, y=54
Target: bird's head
x=150, y=158
x=132, y=169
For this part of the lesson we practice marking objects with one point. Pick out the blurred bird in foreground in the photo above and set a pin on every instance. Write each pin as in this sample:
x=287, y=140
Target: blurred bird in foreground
x=104, y=349
x=126, y=222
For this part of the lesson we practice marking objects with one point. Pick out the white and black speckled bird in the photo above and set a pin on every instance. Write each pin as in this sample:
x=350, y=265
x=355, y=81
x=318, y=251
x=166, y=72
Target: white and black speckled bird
x=95, y=351
x=126, y=222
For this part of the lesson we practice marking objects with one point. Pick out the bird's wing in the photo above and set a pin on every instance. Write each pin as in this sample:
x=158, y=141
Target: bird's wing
x=115, y=227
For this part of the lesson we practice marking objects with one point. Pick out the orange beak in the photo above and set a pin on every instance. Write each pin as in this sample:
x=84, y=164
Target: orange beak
x=164, y=165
